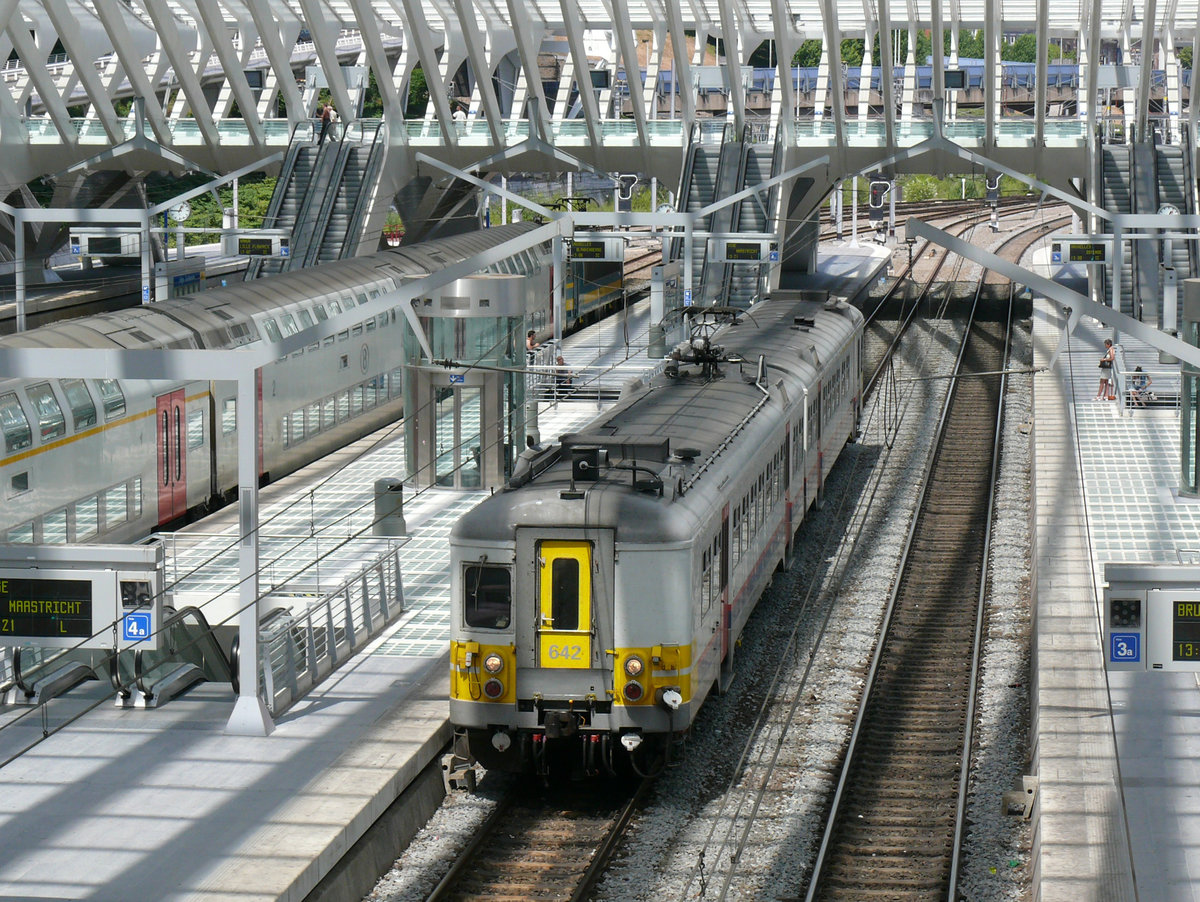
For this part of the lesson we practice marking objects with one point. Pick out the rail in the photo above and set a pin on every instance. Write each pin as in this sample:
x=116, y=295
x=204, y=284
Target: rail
x=300, y=649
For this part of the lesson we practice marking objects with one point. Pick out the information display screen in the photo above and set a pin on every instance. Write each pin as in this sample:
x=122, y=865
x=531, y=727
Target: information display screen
x=1087, y=253
x=46, y=608
x=98, y=245
x=256, y=247
x=1185, y=631
x=588, y=250
x=750, y=251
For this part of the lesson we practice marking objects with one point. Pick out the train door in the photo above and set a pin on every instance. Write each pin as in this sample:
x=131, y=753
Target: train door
x=170, y=427
x=564, y=621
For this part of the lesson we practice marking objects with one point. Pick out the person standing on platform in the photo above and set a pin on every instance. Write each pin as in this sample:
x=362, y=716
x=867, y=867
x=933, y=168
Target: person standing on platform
x=1106, y=365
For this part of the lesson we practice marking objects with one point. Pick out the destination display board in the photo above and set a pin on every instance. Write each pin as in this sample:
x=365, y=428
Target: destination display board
x=588, y=250
x=45, y=608
x=1093, y=252
x=743, y=251
x=256, y=247
x=1185, y=631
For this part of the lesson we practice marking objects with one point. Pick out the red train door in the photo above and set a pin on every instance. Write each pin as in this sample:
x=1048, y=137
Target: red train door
x=170, y=426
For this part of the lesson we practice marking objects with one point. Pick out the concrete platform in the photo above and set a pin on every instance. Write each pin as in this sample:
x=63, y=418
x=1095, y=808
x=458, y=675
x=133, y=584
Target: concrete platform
x=1117, y=815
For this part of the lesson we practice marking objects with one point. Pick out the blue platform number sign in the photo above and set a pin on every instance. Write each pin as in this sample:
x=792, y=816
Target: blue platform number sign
x=1124, y=648
x=136, y=626
x=75, y=249
x=145, y=294
x=457, y=379
x=773, y=256
x=687, y=297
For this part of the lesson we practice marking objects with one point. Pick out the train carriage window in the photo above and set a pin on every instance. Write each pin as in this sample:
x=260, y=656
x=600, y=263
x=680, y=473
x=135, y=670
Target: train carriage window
x=312, y=419
x=362, y=298
x=195, y=429
x=18, y=484
x=54, y=528
x=111, y=397
x=228, y=416
x=370, y=324
x=17, y=434
x=328, y=413
x=356, y=330
x=116, y=506
x=296, y=429
x=356, y=400
x=343, y=406
x=335, y=305
x=487, y=597
x=564, y=598
x=306, y=319
x=51, y=422
x=87, y=518
x=272, y=329
x=396, y=384
x=284, y=438
x=21, y=535
x=321, y=312
x=372, y=394
x=83, y=411
x=344, y=335
x=706, y=581
x=135, y=498
x=289, y=324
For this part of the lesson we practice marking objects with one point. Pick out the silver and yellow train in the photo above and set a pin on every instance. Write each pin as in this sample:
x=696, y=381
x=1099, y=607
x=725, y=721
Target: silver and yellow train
x=598, y=600
x=111, y=460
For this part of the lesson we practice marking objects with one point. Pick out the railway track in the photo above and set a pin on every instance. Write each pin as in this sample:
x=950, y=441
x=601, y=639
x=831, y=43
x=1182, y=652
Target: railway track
x=896, y=823
x=543, y=843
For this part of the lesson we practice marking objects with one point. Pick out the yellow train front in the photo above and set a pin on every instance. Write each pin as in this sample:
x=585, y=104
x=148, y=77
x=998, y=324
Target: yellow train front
x=598, y=600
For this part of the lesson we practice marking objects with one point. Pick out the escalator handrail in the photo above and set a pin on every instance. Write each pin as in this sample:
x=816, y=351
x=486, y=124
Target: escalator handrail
x=178, y=617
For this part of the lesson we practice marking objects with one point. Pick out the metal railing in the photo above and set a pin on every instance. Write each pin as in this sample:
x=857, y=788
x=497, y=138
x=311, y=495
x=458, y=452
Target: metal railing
x=300, y=649
x=1153, y=388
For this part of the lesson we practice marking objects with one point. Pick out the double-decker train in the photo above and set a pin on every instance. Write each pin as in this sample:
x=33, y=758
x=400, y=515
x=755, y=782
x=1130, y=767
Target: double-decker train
x=598, y=599
x=111, y=459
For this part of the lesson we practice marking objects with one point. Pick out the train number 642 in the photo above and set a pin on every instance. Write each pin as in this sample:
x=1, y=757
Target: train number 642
x=564, y=652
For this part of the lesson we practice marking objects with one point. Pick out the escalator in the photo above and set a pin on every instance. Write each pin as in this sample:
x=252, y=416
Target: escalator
x=348, y=198
x=291, y=191
x=1116, y=186
x=754, y=214
x=1173, y=181
x=188, y=653
x=701, y=181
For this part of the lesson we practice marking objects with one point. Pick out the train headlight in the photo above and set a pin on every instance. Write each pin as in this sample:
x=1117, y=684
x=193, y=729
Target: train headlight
x=493, y=688
x=493, y=663
x=633, y=691
x=634, y=666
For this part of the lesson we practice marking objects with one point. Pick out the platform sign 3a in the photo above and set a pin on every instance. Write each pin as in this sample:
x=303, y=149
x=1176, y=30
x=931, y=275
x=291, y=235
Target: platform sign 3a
x=1124, y=648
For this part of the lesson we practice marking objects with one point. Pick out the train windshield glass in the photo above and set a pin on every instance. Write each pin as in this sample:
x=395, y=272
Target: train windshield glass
x=487, y=601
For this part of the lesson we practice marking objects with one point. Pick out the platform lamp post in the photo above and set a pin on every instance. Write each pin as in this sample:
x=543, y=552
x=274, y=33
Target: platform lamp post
x=1189, y=375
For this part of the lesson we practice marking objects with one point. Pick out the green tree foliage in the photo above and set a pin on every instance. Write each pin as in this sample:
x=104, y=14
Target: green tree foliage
x=919, y=188
x=809, y=54
x=372, y=107
x=852, y=51
x=1185, y=57
x=418, y=95
x=1022, y=50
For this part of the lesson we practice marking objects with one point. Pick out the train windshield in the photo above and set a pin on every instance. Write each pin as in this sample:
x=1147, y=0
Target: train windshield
x=487, y=597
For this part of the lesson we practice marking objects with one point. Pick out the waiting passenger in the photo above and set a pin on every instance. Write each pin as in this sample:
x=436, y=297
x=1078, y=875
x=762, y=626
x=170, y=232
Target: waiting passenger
x=531, y=347
x=1106, y=363
x=1139, y=387
x=562, y=377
